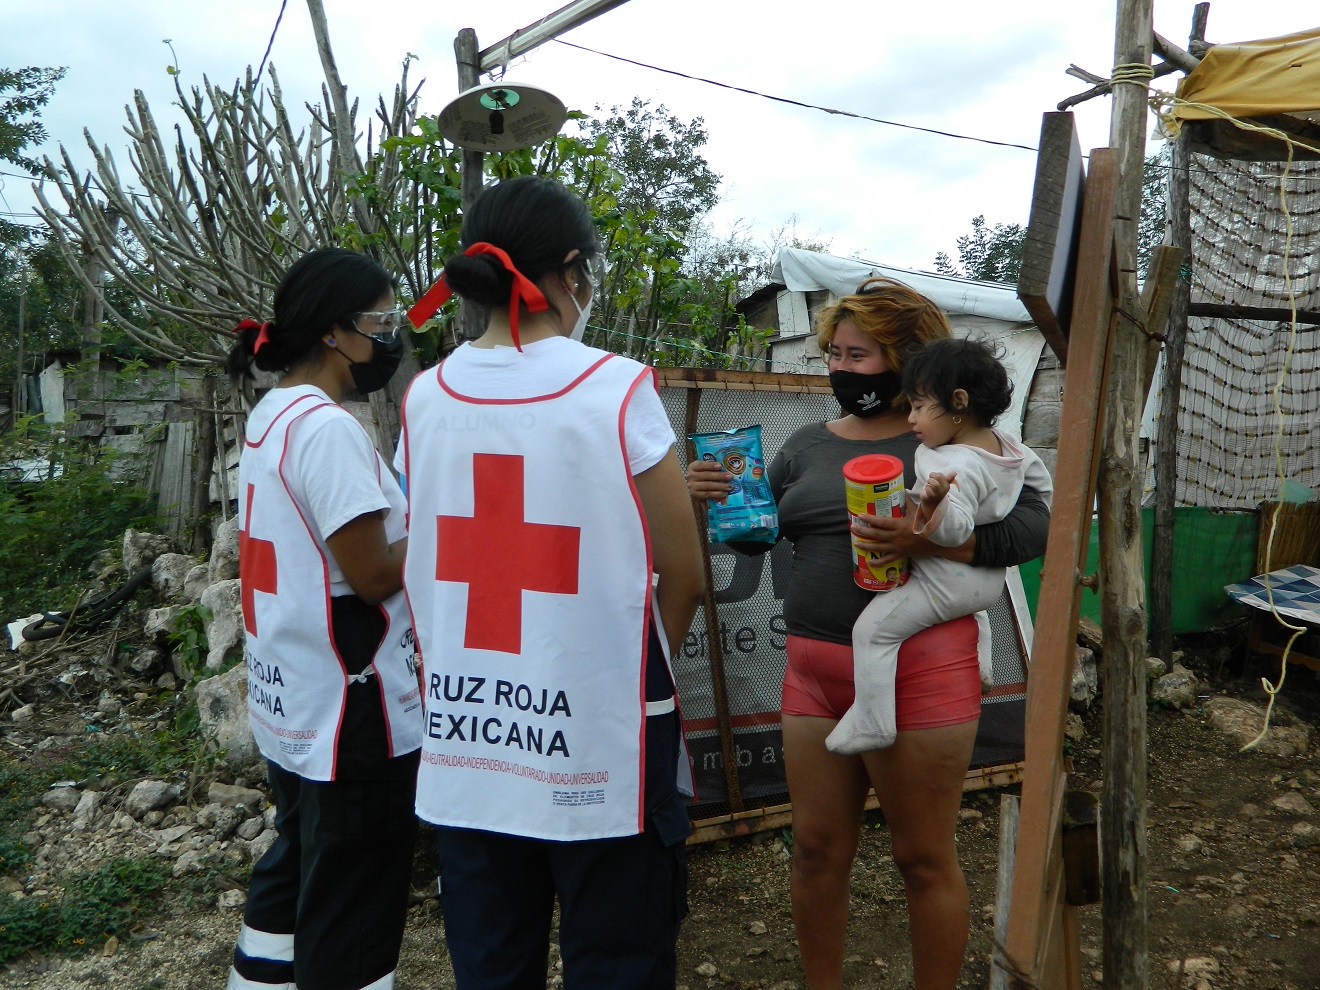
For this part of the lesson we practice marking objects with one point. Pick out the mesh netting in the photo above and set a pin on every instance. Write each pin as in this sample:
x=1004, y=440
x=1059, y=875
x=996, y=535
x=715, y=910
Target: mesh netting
x=1228, y=427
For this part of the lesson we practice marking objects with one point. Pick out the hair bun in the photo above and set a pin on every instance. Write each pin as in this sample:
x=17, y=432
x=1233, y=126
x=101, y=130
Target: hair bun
x=268, y=352
x=479, y=278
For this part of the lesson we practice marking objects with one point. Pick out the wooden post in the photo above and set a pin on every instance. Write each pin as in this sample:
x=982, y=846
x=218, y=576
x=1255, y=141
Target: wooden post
x=19, y=405
x=471, y=318
x=1123, y=611
x=714, y=644
x=203, y=459
x=1041, y=949
x=1166, y=440
x=1008, y=832
x=345, y=144
x=94, y=308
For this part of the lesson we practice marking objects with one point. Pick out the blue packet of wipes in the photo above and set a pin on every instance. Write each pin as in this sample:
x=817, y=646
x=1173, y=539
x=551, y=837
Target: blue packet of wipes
x=749, y=513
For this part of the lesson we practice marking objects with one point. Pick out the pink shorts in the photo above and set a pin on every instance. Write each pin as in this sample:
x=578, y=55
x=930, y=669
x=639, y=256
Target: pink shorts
x=938, y=683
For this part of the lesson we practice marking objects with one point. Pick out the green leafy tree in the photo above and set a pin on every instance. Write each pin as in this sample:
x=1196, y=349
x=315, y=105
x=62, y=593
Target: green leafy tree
x=662, y=175
x=990, y=254
x=649, y=188
x=51, y=530
x=651, y=201
x=994, y=254
x=1154, y=207
x=35, y=277
x=23, y=94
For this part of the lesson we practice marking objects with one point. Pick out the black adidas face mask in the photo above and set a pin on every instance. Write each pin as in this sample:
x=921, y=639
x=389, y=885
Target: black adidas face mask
x=866, y=395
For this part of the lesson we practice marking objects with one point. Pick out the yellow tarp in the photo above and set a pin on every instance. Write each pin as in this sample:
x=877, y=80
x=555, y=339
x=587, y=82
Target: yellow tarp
x=1255, y=78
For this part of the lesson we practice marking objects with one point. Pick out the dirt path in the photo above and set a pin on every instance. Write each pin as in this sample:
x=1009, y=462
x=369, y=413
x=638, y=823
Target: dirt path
x=1233, y=887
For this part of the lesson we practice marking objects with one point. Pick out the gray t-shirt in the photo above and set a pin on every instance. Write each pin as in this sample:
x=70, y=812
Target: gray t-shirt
x=806, y=477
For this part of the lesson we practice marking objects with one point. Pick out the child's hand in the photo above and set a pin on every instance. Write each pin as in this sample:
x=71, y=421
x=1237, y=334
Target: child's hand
x=930, y=497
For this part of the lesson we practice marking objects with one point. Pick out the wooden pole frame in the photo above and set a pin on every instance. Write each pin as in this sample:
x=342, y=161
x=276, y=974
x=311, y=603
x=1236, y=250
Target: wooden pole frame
x=1123, y=910
x=1113, y=342
x=471, y=318
x=1041, y=949
x=1166, y=438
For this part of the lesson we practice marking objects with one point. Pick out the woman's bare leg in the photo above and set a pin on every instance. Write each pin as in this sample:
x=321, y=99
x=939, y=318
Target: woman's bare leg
x=919, y=781
x=828, y=792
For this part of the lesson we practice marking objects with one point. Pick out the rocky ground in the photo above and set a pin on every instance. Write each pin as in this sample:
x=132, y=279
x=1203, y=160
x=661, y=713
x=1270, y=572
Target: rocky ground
x=1233, y=866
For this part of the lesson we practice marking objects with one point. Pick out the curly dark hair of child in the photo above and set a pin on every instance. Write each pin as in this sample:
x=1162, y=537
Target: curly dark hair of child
x=942, y=367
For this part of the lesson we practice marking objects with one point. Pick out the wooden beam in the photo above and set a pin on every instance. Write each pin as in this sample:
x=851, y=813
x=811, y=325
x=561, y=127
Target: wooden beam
x=1278, y=314
x=471, y=318
x=1049, y=250
x=1166, y=435
x=1157, y=295
x=1037, y=906
x=547, y=28
x=1161, y=69
x=1125, y=951
x=1008, y=831
x=714, y=642
x=755, y=381
x=1200, y=15
x=1170, y=52
x=774, y=816
x=1077, y=72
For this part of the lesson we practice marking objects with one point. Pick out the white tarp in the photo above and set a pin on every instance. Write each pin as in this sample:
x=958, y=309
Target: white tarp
x=807, y=271
x=974, y=308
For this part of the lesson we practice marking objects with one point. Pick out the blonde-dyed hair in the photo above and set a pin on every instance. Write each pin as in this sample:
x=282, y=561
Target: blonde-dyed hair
x=900, y=319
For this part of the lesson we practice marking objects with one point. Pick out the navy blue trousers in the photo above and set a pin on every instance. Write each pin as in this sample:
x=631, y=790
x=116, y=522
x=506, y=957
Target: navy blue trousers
x=620, y=900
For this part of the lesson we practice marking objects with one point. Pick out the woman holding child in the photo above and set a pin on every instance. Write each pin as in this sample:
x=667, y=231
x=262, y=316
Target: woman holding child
x=867, y=337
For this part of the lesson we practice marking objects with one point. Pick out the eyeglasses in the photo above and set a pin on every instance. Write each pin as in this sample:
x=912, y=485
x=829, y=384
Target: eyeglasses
x=382, y=324
x=593, y=266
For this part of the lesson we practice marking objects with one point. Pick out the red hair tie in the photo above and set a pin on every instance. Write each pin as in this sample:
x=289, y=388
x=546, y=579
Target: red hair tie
x=524, y=290
x=262, y=338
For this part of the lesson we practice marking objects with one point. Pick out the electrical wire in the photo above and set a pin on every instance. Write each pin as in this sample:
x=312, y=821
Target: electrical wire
x=1121, y=73
x=799, y=103
x=271, y=44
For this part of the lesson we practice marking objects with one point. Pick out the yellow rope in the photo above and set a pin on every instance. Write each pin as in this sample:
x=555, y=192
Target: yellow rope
x=1132, y=74
x=1164, y=103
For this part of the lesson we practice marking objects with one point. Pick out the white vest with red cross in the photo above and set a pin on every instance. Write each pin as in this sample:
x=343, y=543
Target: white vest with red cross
x=529, y=580
x=297, y=681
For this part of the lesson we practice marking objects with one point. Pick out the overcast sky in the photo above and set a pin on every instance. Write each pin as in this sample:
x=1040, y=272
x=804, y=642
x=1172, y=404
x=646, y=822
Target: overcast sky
x=883, y=193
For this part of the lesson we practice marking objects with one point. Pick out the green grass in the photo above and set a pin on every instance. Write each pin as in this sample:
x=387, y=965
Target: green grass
x=23, y=781
x=93, y=906
x=104, y=901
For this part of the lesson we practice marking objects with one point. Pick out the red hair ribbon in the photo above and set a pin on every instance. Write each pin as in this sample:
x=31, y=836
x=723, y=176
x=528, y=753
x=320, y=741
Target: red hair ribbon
x=524, y=290
x=262, y=338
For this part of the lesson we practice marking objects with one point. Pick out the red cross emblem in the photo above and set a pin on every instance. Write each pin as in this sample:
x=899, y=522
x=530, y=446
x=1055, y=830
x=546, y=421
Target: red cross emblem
x=499, y=555
x=256, y=569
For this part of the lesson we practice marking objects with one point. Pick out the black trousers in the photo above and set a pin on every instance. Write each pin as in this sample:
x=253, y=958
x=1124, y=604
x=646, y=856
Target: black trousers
x=327, y=902
x=336, y=881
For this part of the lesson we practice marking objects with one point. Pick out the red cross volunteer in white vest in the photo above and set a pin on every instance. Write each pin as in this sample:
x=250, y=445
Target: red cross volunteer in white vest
x=333, y=696
x=553, y=565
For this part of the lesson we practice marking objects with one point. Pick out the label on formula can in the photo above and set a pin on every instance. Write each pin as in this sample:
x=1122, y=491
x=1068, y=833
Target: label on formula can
x=873, y=485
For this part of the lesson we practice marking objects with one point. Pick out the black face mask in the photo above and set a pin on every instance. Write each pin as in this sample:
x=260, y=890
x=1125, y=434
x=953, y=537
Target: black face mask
x=374, y=375
x=866, y=395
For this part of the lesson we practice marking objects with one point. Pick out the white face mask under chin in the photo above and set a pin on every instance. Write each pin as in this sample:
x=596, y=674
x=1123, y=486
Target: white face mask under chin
x=580, y=327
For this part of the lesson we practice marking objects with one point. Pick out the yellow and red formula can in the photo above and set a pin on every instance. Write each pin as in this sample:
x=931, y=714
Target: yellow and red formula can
x=873, y=484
